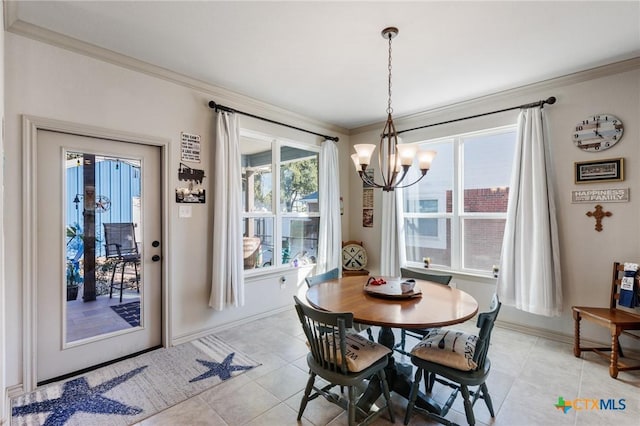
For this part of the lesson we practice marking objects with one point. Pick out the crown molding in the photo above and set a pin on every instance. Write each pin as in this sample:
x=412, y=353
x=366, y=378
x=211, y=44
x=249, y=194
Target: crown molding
x=254, y=106
x=10, y=13
x=533, y=89
x=220, y=95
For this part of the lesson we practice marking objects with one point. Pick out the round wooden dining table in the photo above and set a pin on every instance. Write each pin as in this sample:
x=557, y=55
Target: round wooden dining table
x=437, y=305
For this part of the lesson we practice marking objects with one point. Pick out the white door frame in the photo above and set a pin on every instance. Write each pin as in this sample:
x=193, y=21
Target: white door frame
x=30, y=127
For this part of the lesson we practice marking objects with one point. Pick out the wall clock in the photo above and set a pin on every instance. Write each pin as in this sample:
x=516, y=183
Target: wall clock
x=354, y=256
x=598, y=132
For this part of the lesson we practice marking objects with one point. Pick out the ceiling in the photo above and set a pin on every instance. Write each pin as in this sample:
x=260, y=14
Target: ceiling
x=328, y=61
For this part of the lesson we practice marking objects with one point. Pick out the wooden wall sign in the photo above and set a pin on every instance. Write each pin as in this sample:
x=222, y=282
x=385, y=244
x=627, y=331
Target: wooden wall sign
x=619, y=195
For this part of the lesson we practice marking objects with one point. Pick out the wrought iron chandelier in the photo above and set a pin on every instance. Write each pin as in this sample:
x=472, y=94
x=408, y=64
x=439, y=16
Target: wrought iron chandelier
x=394, y=159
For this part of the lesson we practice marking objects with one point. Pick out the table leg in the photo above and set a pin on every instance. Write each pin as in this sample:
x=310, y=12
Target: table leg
x=400, y=379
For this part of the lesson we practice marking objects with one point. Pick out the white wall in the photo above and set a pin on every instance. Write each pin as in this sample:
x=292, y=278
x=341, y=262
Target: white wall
x=4, y=409
x=51, y=82
x=586, y=255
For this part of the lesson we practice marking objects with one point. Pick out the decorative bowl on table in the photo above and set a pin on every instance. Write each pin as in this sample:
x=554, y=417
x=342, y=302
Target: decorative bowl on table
x=392, y=288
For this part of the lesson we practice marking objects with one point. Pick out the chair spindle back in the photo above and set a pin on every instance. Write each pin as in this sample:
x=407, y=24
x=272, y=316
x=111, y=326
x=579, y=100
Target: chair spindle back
x=326, y=335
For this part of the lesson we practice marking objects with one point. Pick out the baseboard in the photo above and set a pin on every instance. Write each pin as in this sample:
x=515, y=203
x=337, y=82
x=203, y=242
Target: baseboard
x=9, y=393
x=6, y=413
x=15, y=390
x=534, y=331
x=558, y=337
x=205, y=332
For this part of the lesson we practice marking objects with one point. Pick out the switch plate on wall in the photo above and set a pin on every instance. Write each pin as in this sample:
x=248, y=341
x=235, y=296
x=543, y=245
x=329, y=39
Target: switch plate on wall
x=184, y=211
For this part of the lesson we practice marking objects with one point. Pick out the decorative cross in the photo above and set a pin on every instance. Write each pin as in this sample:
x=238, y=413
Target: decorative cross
x=599, y=215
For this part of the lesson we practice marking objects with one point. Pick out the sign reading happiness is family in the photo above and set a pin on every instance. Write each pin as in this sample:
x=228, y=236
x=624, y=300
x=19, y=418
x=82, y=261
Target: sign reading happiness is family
x=602, y=195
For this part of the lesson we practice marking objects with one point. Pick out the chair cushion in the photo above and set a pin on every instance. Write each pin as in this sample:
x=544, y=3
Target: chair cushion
x=361, y=352
x=451, y=348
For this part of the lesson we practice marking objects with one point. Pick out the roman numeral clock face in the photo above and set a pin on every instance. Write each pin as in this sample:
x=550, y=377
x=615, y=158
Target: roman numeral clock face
x=598, y=132
x=354, y=257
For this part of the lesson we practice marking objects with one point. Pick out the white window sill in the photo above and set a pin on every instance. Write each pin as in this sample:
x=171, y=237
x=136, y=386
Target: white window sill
x=487, y=278
x=266, y=273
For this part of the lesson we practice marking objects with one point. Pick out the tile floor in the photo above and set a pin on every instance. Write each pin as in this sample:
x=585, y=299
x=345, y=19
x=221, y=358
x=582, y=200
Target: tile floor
x=528, y=375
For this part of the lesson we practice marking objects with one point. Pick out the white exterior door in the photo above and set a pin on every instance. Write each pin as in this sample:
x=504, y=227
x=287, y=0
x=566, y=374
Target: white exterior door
x=83, y=183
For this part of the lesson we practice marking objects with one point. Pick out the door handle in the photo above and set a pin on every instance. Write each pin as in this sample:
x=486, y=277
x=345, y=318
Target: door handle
x=155, y=257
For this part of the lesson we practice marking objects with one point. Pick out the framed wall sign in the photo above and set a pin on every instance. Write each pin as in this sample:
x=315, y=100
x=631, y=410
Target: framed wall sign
x=617, y=195
x=190, y=147
x=609, y=170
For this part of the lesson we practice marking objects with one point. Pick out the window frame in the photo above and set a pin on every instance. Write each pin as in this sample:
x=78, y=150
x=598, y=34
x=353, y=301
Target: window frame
x=457, y=216
x=276, y=214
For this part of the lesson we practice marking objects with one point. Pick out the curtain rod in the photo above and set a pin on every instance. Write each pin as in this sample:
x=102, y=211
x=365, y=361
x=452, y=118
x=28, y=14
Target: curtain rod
x=219, y=107
x=551, y=100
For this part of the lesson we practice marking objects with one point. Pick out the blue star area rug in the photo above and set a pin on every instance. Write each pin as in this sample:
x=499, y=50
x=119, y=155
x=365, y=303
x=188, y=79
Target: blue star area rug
x=134, y=389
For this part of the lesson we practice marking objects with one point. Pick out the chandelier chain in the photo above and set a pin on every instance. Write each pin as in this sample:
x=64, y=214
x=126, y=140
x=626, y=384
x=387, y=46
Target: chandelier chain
x=389, y=109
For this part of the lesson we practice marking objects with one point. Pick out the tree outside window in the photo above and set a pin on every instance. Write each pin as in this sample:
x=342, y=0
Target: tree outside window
x=274, y=169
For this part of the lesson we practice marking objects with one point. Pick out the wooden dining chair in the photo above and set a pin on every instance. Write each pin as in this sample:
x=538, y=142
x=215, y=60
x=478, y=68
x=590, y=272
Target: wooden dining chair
x=618, y=320
x=341, y=359
x=323, y=277
x=459, y=361
x=418, y=333
x=332, y=275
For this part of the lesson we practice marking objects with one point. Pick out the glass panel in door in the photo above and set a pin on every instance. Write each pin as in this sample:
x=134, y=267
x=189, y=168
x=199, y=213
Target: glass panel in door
x=102, y=253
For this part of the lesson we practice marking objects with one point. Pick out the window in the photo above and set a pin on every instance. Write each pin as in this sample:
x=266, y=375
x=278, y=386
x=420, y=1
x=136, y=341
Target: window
x=280, y=202
x=456, y=214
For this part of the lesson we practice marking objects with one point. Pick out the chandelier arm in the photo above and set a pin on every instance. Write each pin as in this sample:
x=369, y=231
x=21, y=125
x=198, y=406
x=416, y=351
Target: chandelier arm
x=412, y=183
x=368, y=181
x=395, y=174
x=365, y=178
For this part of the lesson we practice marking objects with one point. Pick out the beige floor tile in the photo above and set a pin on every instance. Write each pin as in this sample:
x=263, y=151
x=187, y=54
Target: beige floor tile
x=269, y=362
x=301, y=363
x=192, y=412
x=617, y=417
x=533, y=404
x=241, y=405
x=528, y=374
x=281, y=415
x=319, y=411
x=284, y=382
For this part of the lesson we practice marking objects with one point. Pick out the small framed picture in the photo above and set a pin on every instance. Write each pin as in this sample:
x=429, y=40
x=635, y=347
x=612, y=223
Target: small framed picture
x=609, y=170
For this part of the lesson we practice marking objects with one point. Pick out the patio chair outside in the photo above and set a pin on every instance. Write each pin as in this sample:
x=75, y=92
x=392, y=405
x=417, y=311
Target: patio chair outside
x=121, y=246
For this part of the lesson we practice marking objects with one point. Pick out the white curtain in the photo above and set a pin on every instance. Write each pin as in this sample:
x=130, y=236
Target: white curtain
x=529, y=276
x=392, y=251
x=330, y=233
x=227, y=280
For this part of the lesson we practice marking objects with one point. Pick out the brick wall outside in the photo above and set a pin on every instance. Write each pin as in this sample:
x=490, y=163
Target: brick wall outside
x=483, y=236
